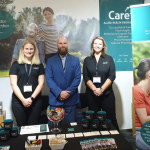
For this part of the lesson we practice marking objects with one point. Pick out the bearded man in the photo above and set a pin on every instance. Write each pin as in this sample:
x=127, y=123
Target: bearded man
x=63, y=74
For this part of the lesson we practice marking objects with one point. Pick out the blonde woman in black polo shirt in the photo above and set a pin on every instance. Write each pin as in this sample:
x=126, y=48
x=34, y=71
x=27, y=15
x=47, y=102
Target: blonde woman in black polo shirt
x=99, y=74
x=27, y=80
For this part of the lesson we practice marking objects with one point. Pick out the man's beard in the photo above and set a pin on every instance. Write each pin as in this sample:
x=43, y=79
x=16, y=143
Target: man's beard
x=62, y=52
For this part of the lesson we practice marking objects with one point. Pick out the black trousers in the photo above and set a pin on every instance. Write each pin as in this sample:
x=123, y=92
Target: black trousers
x=105, y=103
x=27, y=115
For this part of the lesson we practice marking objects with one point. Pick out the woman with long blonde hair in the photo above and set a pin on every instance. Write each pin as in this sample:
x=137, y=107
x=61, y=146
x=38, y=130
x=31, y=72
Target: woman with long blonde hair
x=27, y=80
x=99, y=74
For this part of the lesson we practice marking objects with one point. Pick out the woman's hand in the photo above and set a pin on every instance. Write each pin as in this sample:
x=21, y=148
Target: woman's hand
x=27, y=102
x=97, y=92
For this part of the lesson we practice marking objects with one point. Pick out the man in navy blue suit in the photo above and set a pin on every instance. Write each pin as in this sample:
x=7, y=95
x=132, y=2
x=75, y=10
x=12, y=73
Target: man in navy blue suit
x=63, y=74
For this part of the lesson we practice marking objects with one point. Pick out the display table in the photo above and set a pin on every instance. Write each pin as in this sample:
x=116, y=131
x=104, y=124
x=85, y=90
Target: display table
x=73, y=143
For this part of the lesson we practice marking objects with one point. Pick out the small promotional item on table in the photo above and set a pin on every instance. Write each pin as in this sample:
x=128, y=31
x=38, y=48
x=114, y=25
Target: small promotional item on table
x=89, y=115
x=101, y=115
x=8, y=124
x=57, y=142
x=85, y=123
x=14, y=132
x=33, y=144
x=96, y=124
x=1, y=128
x=55, y=116
x=106, y=124
x=4, y=135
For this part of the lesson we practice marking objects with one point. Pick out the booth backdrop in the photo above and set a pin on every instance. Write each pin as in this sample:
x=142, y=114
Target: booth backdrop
x=81, y=12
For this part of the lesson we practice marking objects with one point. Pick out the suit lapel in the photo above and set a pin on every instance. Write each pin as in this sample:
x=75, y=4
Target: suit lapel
x=58, y=61
x=68, y=64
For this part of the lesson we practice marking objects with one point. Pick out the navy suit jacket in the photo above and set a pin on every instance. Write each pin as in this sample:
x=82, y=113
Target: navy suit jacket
x=58, y=80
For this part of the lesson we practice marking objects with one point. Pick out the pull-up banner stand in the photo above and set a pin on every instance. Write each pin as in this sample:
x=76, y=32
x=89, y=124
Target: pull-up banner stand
x=115, y=28
x=140, y=27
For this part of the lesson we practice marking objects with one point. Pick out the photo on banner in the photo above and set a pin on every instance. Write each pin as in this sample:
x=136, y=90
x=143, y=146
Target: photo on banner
x=140, y=27
x=19, y=21
x=115, y=28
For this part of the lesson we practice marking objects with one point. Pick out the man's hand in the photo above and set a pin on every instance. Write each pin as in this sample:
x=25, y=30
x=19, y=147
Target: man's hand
x=64, y=95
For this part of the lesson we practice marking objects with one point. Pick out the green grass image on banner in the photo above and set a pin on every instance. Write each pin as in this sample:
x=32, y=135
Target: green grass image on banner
x=4, y=73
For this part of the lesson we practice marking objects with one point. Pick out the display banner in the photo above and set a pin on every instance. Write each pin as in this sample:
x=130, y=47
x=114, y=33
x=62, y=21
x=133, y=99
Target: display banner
x=73, y=19
x=140, y=27
x=115, y=28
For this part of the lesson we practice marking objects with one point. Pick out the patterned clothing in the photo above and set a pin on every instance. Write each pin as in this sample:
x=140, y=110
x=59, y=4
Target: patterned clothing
x=50, y=34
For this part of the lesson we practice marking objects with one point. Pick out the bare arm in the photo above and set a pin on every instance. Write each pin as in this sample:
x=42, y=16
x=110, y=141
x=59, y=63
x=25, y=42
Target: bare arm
x=90, y=84
x=107, y=83
x=40, y=86
x=13, y=81
x=142, y=114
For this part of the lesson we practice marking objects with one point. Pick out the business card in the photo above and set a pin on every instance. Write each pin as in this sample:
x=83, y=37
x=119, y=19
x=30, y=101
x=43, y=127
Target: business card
x=87, y=134
x=70, y=135
x=104, y=132
x=114, y=132
x=73, y=123
x=42, y=137
x=62, y=135
x=78, y=134
x=50, y=136
x=95, y=133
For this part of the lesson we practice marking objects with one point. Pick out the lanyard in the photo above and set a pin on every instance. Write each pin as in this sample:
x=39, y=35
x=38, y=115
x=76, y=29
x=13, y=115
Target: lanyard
x=28, y=75
x=96, y=69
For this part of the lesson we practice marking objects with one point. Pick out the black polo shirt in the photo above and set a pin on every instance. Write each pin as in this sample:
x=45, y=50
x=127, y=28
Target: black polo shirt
x=22, y=76
x=105, y=70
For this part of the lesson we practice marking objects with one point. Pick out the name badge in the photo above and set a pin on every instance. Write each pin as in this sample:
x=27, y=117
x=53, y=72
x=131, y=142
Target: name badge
x=28, y=88
x=96, y=79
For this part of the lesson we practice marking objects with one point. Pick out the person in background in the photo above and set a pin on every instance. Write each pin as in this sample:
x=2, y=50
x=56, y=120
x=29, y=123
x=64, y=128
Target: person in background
x=63, y=75
x=27, y=76
x=99, y=74
x=31, y=32
x=142, y=99
x=50, y=33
